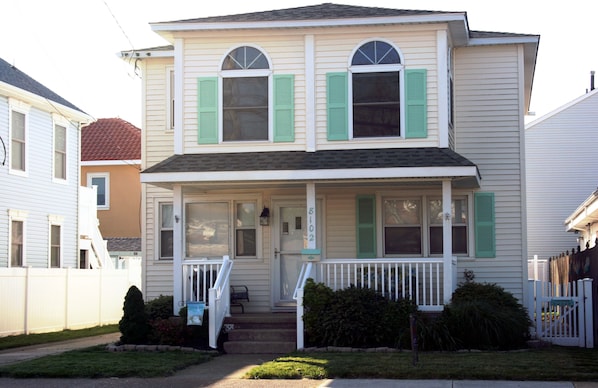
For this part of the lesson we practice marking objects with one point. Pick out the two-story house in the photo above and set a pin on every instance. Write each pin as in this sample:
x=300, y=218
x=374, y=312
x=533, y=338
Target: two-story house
x=111, y=161
x=39, y=174
x=383, y=146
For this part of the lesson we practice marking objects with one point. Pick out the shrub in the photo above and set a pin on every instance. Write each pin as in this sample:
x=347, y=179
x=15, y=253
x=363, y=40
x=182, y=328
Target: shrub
x=355, y=317
x=134, y=325
x=161, y=307
x=485, y=316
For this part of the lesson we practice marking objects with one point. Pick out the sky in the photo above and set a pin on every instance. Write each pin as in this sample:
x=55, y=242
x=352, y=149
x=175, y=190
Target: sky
x=71, y=46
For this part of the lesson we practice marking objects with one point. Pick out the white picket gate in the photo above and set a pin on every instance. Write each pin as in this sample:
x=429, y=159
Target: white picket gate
x=562, y=313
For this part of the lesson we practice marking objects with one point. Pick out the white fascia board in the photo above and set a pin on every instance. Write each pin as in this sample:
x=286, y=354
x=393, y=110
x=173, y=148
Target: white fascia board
x=199, y=26
x=142, y=54
x=300, y=175
x=503, y=40
x=110, y=162
x=587, y=208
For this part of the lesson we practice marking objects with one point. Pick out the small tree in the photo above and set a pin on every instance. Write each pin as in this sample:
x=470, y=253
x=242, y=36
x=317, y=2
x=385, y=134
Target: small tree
x=134, y=325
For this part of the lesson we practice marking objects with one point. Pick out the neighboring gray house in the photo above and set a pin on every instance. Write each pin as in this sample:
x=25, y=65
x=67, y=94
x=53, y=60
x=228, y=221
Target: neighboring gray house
x=560, y=173
x=39, y=174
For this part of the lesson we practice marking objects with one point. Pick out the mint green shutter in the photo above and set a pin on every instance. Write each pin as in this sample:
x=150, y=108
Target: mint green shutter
x=207, y=110
x=366, y=226
x=337, y=91
x=485, y=239
x=416, y=112
x=284, y=109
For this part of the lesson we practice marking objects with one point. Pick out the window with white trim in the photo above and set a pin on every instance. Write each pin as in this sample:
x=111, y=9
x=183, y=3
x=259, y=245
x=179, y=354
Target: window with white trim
x=102, y=183
x=460, y=220
x=402, y=224
x=18, y=141
x=17, y=237
x=59, y=151
x=245, y=80
x=166, y=231
x=217, y=228
x=55, y=245
x=170, y=98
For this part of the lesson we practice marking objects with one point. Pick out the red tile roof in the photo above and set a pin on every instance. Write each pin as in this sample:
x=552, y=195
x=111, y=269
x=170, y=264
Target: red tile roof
x=110, y=139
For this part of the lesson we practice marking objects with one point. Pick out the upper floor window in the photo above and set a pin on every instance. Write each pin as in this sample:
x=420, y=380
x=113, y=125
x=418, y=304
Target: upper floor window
x=245, y=95
x=376, y=73
x=59, y=152
x=18, y=140
x=170, y=98
x=102, y=183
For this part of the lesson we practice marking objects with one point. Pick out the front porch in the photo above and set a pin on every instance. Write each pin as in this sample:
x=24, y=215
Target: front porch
x=429, y=282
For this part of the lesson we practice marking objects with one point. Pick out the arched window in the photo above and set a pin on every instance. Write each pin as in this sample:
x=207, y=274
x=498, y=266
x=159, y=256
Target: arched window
x=245, y=104
x=376, y=72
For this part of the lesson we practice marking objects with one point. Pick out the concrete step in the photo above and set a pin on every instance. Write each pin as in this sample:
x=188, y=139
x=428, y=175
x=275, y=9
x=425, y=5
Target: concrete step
x=274, y=333
x=259, y=347
x=257, y=334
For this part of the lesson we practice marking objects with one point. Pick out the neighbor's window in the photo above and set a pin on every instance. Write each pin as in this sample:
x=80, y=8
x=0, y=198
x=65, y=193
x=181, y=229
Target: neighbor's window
x=170, y=109
x=459, y=216
x=16, y=243
x=402, y=226
x=101, y=181
x=207, y=229
x=166, y=231
x=245, y=229
x=59, y=152
x=376, y=80
x=17, y=141
x=245, y=95
x=55, y=238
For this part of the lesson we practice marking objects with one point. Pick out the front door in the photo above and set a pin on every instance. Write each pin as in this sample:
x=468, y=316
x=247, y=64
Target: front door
x=290, y=237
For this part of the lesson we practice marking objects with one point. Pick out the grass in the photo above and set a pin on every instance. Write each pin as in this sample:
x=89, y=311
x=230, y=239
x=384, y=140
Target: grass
x=551, y=364
x=96, y=362
x=16, y=341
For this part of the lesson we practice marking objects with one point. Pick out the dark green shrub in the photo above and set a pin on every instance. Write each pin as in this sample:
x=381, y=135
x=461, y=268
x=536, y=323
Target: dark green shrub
x=485, y=316
x=134, y=325
x=434, y=334
x=161, y=307
x=354, y=317
x=167, y=331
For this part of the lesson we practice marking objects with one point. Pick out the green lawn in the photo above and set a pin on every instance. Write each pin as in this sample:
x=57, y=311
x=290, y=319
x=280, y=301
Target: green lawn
x=16, y=341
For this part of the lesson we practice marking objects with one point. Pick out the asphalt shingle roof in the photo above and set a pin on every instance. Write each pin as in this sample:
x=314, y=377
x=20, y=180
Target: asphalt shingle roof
x=312, y=12
x=123, y=244
x=110, y=139
x=15, y=77
x=301, y=160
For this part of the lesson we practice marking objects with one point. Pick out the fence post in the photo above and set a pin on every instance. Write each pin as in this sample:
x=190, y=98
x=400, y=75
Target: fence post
x=300, y=324
x=589, y=312
x=531, y=307
x=538, y=304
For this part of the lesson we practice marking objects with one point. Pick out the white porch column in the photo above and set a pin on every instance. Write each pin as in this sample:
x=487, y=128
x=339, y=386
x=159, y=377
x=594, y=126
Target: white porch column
x=447, y=241
x=311, y=215
x=177, y=249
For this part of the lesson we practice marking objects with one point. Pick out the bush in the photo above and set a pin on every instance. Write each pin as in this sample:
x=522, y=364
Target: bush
x=485, y=316
x=161, y=307
x=134, y=325
x=355, y=317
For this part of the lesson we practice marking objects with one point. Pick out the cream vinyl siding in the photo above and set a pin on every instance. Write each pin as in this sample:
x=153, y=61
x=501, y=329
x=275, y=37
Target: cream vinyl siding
x=286, y=56
x=417, y=45
x=340, y=225
x=489, y=121
x=558, y=183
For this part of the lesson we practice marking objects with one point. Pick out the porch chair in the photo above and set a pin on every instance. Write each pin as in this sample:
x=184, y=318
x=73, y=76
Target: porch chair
x=238, y=294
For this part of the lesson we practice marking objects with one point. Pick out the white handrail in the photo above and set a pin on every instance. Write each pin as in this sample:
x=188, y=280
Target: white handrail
x=219, y=301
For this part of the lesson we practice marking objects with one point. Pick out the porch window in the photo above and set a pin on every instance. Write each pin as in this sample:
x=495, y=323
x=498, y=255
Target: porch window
x=166, y=231
x=402, y=226
x=207, y=229
x=245, y=95
x=16, y=243
x=245, y=229
x=459, y=216
x=55, y=238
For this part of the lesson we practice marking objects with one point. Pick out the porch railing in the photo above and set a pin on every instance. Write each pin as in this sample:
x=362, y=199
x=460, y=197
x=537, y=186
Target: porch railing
x=420, y=280
x=208, y=281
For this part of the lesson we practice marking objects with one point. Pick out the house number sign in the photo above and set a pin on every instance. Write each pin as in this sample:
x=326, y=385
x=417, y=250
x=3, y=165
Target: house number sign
x=311, y=227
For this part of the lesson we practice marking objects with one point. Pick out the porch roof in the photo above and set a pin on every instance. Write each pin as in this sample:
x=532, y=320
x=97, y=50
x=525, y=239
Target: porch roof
x=347, y=164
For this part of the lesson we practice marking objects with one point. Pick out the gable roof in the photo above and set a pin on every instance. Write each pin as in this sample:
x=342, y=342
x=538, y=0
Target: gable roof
x=110, y=139
x=425, y=163
x=11, y=75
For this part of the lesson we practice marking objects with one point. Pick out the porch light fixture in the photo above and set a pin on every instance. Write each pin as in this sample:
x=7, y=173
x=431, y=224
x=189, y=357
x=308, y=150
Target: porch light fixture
x=265, y=217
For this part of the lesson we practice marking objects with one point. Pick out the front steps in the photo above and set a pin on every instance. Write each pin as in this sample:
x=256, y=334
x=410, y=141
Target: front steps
x=268, y=333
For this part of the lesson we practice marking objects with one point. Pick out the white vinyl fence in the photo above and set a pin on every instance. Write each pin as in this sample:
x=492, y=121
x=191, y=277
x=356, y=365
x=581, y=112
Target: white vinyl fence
x=38, y=300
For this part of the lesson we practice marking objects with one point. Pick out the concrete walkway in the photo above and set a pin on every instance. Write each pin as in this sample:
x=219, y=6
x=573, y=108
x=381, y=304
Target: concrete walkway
x=227, y=371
